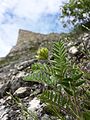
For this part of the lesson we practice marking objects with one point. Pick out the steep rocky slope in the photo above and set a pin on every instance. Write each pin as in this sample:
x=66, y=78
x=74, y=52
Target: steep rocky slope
x=17, y=64
x=28, y=43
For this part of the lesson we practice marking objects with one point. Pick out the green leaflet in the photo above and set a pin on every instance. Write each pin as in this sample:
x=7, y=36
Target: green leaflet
x=51, y=97
x=80, y=82
x=69, y=91
x=86, y=115
x=59, y=62
x=76, y=77
x=38, y=76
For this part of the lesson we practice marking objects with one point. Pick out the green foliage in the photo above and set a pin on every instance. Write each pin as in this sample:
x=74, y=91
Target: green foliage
x=59, y=54
x=49, y=74
x=53, y=100
x=42, y=54
x=77, y=11
x=65, y=82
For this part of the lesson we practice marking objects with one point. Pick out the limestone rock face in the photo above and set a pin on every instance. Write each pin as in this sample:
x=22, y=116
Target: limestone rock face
x=28, y=43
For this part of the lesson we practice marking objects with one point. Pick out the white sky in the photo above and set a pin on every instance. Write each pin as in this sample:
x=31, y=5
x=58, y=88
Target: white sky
x=34, y=15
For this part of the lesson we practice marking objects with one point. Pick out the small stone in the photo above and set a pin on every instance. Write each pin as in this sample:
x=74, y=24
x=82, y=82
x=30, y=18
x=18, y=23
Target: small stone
x=8, y=98
x=70, y=44
x=86, y=67
x=73, y=50
x=21, y=74
x=34, y=104
x=25, y=64
x=22, y=92
x=86, y=35
x=2, y=101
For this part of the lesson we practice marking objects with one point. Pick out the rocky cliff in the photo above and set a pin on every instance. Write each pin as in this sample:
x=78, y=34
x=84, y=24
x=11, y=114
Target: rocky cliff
x=28, y=43
x=17, y=64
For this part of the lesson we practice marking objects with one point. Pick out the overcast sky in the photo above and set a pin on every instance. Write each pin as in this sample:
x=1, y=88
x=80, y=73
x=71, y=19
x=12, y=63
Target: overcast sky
x=34, y=15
